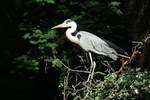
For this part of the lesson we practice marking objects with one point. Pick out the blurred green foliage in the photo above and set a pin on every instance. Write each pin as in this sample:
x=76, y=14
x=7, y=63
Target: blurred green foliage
x=44, y=48
x=47, y=49
x=133, y=85
x=128, y=86
x=37, y=16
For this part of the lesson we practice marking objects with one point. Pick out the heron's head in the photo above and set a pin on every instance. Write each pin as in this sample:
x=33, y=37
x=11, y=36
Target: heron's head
x=66, y=24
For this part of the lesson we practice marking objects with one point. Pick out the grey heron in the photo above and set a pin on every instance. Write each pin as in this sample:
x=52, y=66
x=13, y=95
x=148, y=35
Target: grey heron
x=89, y=42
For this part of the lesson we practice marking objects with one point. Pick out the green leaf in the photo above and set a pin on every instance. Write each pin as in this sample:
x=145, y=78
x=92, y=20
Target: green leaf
x=50, y=1
x=51, y=34
x=27, y=36
x=57, y=62
x=114, y=3
x=47, y=1
x=33, y=42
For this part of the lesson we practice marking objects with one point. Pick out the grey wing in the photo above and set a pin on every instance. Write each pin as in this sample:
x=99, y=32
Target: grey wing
x=118, y=49
x=91, y=42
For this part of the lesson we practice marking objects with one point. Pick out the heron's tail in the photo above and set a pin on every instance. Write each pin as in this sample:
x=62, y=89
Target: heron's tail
x=113, y=56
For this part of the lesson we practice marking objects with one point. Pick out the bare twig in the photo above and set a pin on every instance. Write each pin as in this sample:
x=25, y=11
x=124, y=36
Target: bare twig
x=124, y=56
x=88, y=91
x=100, y=73
x=81, y=89
x=77, y=84
x=80, y=77
x=147, y=39
x=108, y=65
x=137, y=42
x=45, y=68
x=135, y=50
x=76, y=78
x=80, y=71
x=65, y=86
x=82, y=60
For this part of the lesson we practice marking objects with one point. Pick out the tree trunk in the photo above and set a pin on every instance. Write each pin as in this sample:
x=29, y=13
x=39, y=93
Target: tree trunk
x=138, y=24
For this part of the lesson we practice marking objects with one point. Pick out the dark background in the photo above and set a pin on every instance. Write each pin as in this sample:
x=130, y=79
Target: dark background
x=43, y=86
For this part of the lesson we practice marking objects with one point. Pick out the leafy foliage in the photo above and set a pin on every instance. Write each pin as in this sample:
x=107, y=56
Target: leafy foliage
x=44, y=49
x=35, y=17
x=47, y=1
x=132, y=85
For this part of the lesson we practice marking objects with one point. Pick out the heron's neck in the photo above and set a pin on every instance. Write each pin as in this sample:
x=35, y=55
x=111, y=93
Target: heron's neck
x=69, y=35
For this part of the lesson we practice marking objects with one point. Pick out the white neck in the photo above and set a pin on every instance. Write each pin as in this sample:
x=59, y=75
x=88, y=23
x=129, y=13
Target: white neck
x=72, y=29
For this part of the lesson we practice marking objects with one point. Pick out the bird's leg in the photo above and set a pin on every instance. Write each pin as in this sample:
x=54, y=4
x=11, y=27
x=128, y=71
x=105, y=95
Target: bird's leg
x=91, y=67
x=90, y=55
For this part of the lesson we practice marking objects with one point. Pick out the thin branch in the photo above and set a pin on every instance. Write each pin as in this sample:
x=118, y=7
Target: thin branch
x=80, y=77
x=65, y=86
x=80, y=71
x=108, y=65
x=124, y=56
x=76, y=78
x=77, y=84
x=147, y=39
x=100, y=73
x=82, y=60
x=137, y=42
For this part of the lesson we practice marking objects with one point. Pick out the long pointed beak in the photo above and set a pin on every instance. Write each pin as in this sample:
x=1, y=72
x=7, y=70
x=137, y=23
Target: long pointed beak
x=59, y=26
